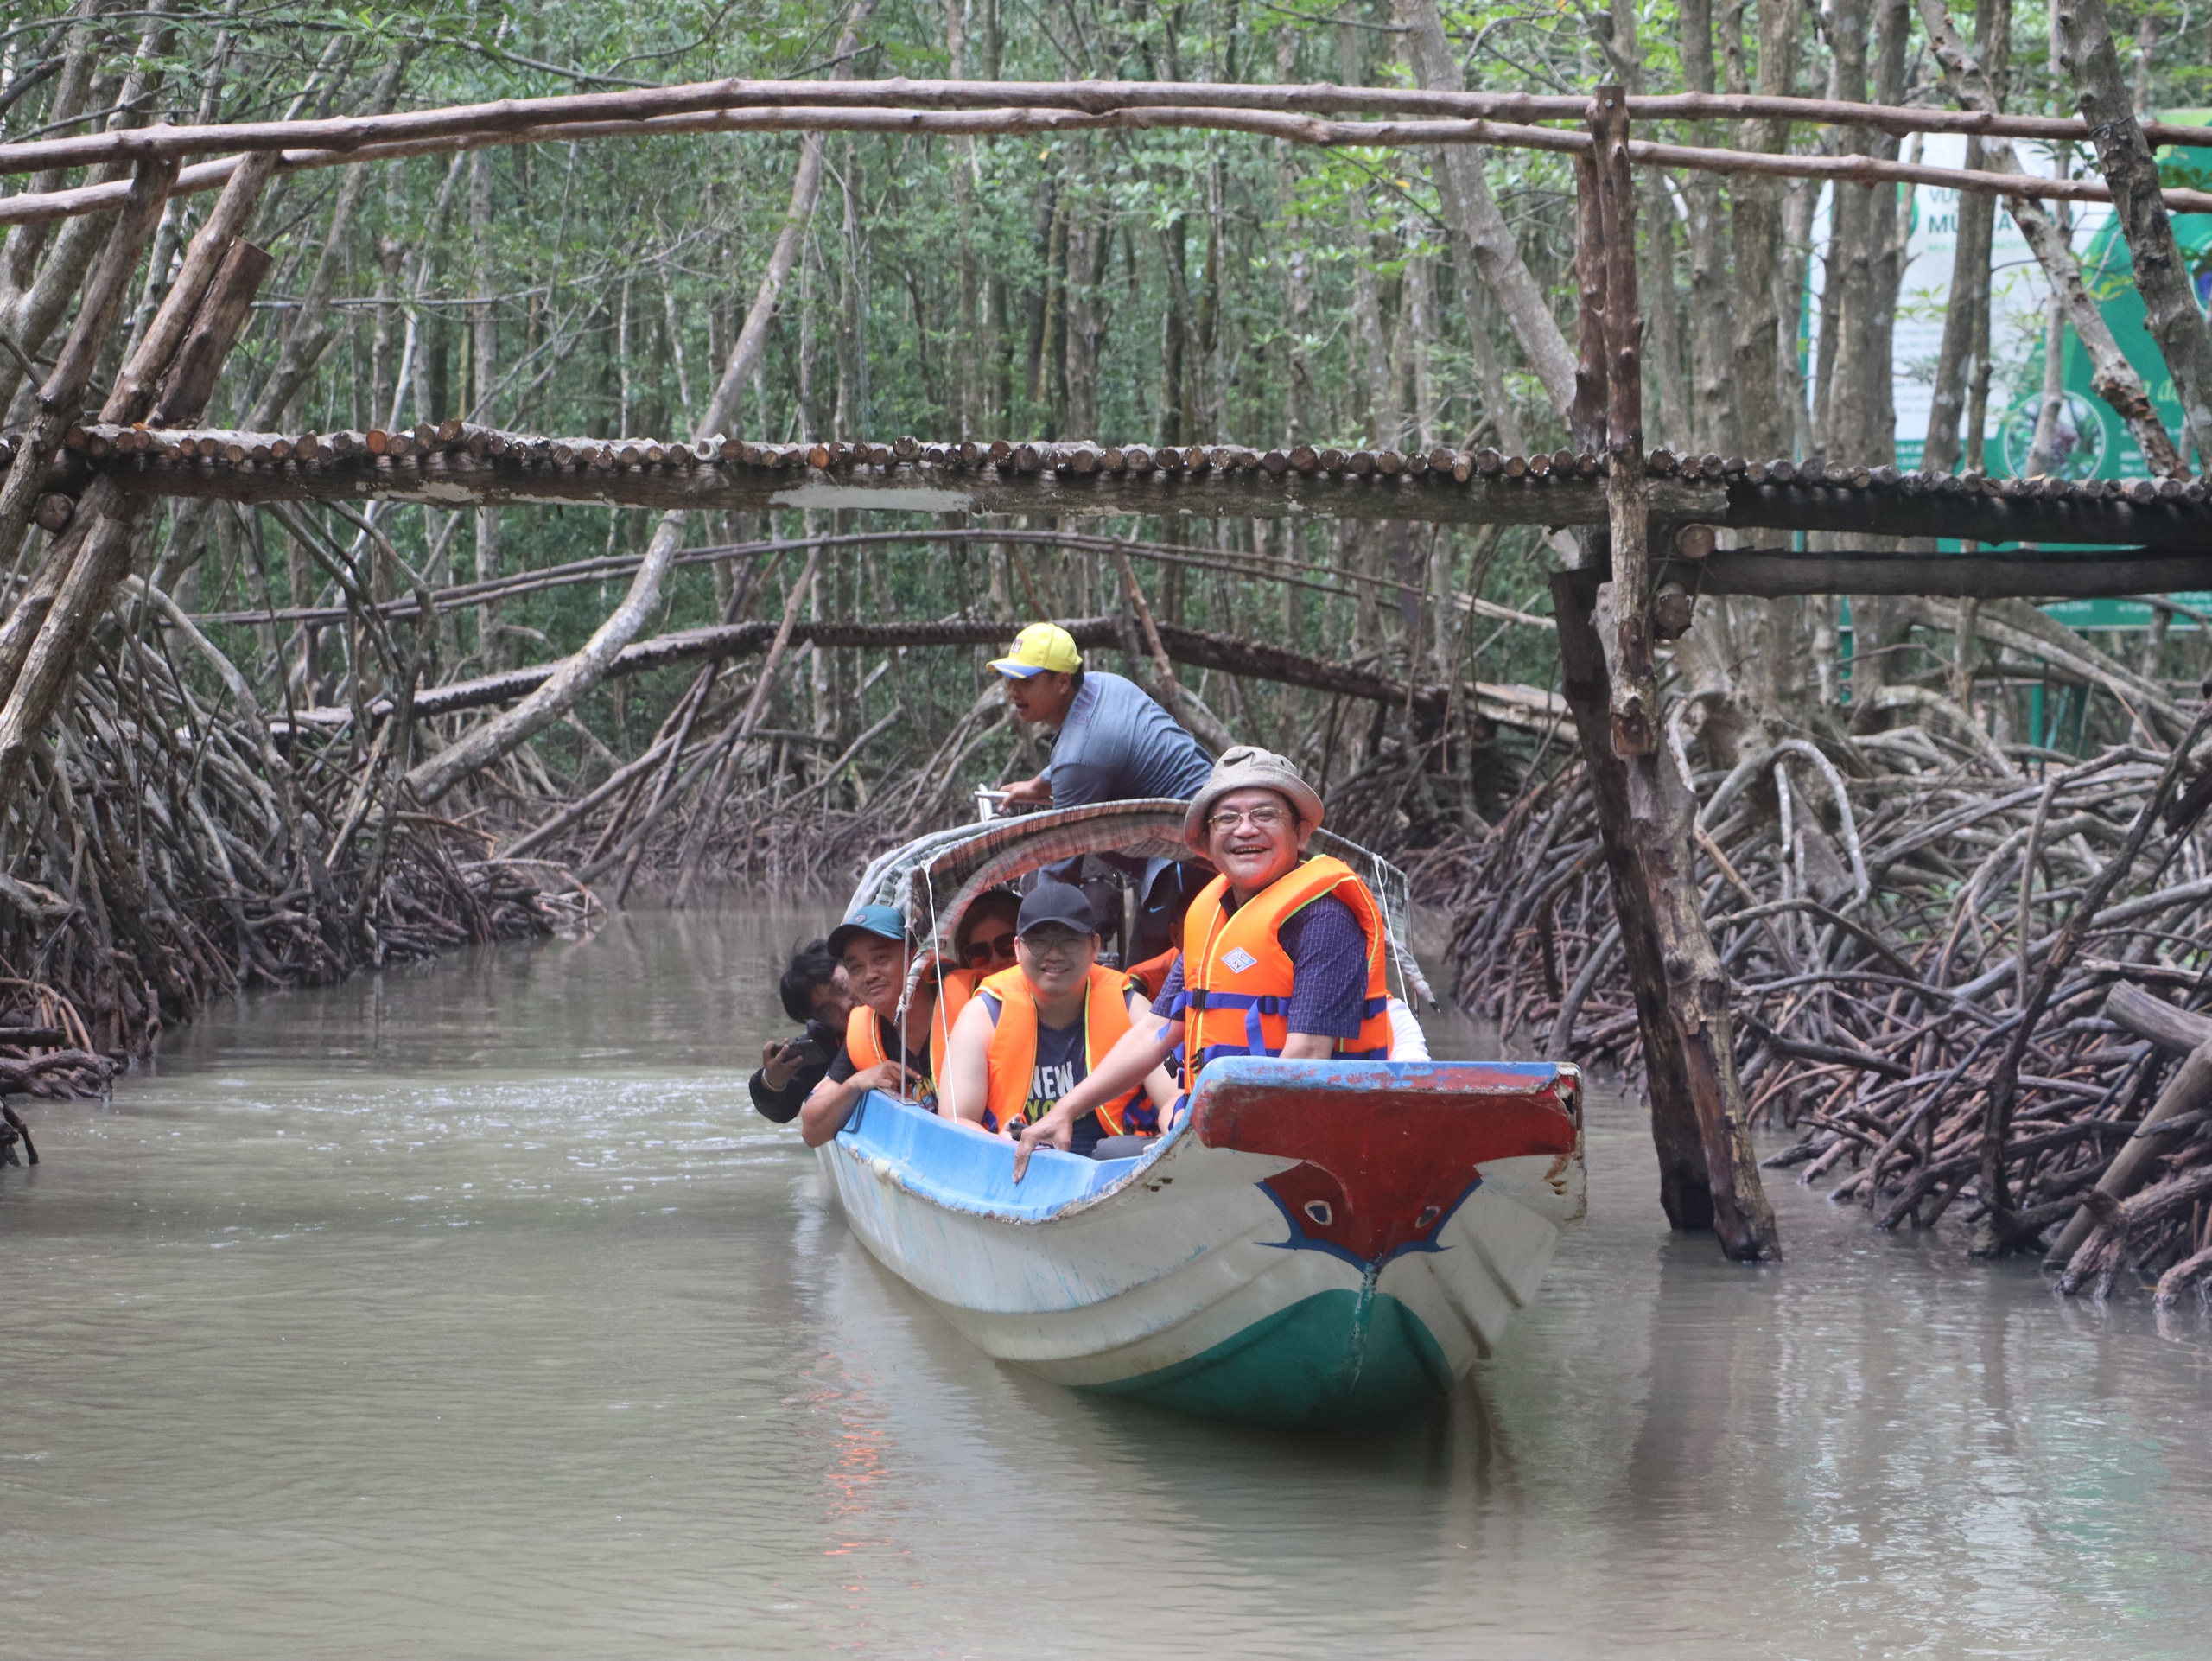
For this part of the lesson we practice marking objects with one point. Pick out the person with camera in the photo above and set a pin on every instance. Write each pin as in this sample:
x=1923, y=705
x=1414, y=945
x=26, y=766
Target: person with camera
x=814, y=993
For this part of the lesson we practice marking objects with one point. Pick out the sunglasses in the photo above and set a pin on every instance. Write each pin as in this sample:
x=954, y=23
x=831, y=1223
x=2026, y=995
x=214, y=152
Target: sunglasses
x=995, y=948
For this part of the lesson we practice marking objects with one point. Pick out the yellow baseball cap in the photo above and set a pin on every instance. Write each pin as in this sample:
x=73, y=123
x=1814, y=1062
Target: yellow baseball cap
x=1041, y=649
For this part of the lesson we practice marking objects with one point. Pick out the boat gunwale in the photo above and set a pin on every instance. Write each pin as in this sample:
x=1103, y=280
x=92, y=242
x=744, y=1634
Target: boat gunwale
x=1233, y=1073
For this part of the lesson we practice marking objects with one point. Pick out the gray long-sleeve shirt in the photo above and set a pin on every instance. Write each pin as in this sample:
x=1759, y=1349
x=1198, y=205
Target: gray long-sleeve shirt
x=1117, y=745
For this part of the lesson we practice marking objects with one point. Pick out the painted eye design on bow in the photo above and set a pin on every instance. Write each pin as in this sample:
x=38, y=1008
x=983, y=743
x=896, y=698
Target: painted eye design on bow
x=1319, y=1212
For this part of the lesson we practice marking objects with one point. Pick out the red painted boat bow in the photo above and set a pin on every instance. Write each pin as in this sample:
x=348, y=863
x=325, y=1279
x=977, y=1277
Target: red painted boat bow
x=1388, y=1151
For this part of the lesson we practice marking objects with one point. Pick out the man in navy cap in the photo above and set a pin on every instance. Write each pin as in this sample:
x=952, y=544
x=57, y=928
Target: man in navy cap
x=1031, y=1033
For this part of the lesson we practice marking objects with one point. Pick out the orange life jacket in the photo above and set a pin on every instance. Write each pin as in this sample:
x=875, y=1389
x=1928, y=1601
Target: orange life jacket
x=1012, y=1053
x=1236, y=976
x=864, y=1029
x=1150, y=976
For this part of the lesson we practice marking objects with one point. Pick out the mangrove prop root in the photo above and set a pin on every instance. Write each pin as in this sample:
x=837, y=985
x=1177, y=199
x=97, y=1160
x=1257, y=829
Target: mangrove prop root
x=1877, y=1009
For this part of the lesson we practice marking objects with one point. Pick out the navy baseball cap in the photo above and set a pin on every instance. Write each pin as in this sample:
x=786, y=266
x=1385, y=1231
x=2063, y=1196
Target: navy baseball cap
x=1056, y=902
x=882, y=921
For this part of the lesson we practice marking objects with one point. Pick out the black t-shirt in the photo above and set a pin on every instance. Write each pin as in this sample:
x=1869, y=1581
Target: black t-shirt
x=841, y=1065
x=1062, y=1063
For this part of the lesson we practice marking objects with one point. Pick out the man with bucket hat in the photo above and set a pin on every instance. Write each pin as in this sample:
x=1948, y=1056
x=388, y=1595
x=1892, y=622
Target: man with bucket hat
x=1282, y=954
x=1110, y=743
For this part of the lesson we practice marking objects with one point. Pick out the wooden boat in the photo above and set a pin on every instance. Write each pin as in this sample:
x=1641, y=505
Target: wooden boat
x=1318, y=1242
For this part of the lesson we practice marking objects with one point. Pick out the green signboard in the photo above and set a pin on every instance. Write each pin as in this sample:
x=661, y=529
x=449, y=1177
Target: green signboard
x=2095, y=444
x=2092, y=616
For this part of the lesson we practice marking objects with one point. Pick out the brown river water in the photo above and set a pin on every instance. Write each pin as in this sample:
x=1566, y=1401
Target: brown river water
x=468, y=1310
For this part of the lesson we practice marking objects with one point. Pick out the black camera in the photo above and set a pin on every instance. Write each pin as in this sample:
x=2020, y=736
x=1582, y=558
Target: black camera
x=810, y=1053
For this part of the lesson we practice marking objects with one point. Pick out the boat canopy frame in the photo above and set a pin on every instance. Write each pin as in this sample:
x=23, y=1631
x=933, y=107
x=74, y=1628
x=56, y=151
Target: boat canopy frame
x=938, y=876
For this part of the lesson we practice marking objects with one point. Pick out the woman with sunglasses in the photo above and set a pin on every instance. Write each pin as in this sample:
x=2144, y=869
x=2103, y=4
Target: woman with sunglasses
x=984, y=940
x=983, y=944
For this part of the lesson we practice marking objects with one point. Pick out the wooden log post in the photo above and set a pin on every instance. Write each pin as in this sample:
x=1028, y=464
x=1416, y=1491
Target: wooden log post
x=1628, y=502
x=1585, y=417
x=1708, y=1177
x=1685, y=1189
x=1691, y=993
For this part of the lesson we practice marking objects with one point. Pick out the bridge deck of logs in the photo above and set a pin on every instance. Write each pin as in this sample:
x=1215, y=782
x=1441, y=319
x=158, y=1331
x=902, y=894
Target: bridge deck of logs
x=2086, y=537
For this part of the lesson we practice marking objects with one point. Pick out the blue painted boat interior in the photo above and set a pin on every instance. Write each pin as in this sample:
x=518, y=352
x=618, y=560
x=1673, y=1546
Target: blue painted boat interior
x=963, y=1170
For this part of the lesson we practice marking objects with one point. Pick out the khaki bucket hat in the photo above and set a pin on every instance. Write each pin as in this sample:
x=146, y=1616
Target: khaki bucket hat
x=1249, y=768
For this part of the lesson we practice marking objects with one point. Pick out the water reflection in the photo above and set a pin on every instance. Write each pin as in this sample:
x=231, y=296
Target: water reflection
x=465, y=1309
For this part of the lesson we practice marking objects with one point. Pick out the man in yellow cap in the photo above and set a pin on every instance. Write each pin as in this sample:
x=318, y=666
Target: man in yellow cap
x=1111, y=742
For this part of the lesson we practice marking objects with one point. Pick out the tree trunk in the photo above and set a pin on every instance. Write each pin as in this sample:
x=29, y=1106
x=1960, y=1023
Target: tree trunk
x=2050, y=404
x=2112, y=377
x=432, y=778
x=1473, y=215
x=62, y=393
x=1762, y=429
x=40, y=647
x=1860, y=419
x=312, y=331
x=1711, y=424
x=1970, y=275
x=485, y=333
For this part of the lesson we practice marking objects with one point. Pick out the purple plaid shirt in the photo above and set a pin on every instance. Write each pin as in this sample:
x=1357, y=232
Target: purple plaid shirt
x=1328, y=966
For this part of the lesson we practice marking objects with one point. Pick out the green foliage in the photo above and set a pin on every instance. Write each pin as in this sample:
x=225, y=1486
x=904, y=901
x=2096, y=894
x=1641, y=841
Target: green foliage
x=1172, y=286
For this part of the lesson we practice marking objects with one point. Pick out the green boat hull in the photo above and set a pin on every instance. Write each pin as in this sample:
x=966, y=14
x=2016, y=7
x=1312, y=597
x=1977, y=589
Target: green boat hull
x=1330, y=1359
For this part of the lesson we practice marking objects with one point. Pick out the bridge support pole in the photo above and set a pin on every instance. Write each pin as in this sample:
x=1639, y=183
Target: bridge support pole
x=1708, y=1176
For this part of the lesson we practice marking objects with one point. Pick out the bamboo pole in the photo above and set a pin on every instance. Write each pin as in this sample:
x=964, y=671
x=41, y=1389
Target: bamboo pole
x=355, y=134
x=34, y=207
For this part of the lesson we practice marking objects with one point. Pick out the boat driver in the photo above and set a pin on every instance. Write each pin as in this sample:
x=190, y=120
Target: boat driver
x=883, y=1050
x=1033, y=1032
x=1110, y=743
x=1282, y=954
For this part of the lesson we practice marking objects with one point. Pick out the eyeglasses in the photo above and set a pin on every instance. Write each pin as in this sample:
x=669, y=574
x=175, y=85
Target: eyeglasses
x=1054, y=942
x=997, y=948
x=1260, y=818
